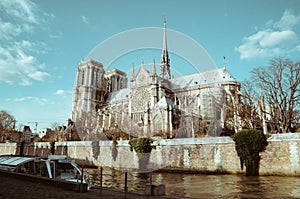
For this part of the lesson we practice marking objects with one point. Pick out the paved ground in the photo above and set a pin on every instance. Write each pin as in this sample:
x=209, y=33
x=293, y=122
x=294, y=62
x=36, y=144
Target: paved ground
x=11, y=188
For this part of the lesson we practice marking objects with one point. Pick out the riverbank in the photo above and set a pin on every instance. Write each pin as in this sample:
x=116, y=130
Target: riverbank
x=12, y=188
x=202, y=155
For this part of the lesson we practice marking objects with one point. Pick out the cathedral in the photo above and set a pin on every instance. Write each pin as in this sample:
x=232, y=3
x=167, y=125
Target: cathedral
x=152, y=104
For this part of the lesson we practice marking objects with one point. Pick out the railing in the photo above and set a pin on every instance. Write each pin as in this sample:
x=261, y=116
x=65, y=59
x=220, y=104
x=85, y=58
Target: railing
x=105, y=177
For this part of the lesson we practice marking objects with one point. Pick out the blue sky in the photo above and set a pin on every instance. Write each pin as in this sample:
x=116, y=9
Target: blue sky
x=42, y=42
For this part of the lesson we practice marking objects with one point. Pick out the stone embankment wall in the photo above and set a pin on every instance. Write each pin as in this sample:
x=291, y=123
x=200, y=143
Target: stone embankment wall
x=208, y=155
x=8, y=148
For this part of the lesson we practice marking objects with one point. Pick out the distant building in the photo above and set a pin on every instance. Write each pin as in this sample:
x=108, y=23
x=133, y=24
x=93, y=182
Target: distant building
x=153, y=104
x=27, y=134
x=42, y=134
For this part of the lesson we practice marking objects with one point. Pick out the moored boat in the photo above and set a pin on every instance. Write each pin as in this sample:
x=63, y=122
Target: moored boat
x=54, y=167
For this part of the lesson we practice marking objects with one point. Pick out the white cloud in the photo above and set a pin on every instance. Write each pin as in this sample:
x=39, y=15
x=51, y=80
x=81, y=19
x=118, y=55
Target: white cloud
x=287, y=21
x=277, y=39
x=8, y=30
x=23, y=10
x=17, y=60
x=62, y=92
x=17, y=66
x=18, y=16
x=41, y=101
x=38, y=75
x=272, y=39
x=56, y=35
x=84, y=19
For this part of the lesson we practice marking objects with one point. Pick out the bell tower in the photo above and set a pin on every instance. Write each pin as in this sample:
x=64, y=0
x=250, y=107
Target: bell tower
x=89, y=89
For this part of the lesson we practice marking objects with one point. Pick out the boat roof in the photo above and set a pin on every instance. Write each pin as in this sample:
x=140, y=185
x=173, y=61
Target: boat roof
x=15, y=160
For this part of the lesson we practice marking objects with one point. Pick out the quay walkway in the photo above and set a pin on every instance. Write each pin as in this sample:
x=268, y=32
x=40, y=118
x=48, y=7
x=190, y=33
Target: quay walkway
x=12, y=188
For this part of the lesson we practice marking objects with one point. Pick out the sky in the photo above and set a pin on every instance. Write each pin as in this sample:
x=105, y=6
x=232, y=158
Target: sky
x=42, y=43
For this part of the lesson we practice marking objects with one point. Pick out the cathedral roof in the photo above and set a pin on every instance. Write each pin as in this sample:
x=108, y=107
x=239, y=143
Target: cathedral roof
x=114, y=71
x=118, y=95
x=216, y=76
x=143, y=71
x=220, y=75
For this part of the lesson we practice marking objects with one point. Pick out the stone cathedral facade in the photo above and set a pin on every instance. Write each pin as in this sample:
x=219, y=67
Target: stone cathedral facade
x=150, y=104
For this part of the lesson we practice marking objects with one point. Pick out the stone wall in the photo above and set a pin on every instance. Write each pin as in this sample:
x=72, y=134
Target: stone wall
x=282, y=155
x=207, y=155
x=8, y=148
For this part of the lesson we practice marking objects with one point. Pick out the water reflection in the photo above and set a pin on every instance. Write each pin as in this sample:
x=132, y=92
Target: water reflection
x=251, y=187
x=205, y=186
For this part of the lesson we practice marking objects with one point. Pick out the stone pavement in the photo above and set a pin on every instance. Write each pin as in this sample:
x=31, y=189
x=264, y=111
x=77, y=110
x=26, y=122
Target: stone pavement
x=11, y=188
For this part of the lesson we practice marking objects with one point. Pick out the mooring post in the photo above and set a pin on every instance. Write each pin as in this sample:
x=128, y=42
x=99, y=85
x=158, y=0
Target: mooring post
x=150, y=182
x=125, y=187
x=101, y=172
x=81, y=180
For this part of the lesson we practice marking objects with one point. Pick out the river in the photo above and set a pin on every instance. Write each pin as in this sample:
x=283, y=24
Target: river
x=204, y=186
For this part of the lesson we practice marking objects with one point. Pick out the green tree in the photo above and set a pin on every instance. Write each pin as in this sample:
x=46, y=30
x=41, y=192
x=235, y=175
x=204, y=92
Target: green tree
x=141, y=145
x=248, y=144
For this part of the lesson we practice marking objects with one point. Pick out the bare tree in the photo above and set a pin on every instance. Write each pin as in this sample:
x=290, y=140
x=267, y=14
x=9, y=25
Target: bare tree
x=249, y=110
x=7, y=121
x=7, y=125
x=54, y=125
x=279, y=84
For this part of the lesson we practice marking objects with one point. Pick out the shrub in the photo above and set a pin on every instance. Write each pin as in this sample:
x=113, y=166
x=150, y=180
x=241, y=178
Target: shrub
x=141, y=145
x=248, y=144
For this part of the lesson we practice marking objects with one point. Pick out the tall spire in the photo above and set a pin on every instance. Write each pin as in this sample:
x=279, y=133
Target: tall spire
x=153, y=68
x=133, y=74
x=142, y=64
x=165, y=48
x=165, y=61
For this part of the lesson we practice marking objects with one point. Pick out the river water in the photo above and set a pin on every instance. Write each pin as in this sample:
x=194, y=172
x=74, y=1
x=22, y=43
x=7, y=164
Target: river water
x=204, y=186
